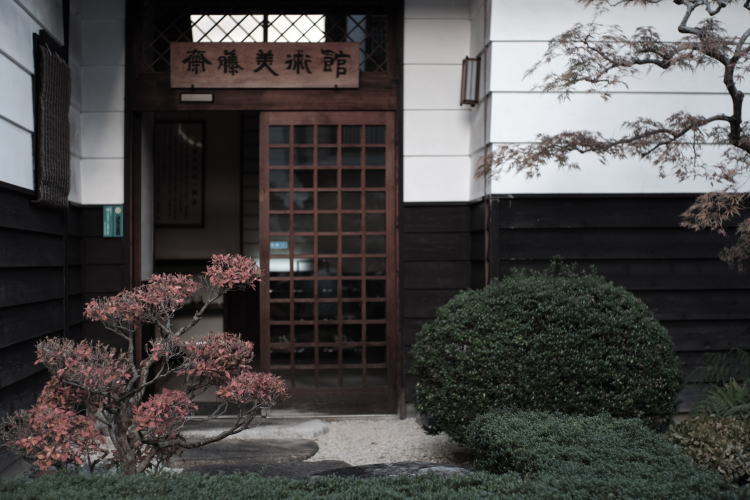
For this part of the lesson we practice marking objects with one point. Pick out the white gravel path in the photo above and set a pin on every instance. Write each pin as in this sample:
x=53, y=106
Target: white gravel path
x=384, y=440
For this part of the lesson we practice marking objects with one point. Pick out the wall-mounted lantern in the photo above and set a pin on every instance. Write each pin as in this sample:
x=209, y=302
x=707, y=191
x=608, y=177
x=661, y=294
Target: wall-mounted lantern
x=470, y=81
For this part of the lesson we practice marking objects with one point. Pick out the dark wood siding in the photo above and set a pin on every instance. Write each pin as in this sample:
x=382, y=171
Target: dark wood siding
x=636, y=242
x=40, y=289
x=105, y=266
x=441, y=253
x=51, y=263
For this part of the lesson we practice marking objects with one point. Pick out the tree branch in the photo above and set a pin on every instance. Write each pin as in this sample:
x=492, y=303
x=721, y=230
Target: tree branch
x=602, y=58
x=242, y=421
x=198, y=314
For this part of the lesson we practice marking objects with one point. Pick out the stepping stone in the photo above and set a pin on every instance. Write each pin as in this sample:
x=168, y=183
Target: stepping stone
x=235, y=454
x=396, y=469
x=293, y=470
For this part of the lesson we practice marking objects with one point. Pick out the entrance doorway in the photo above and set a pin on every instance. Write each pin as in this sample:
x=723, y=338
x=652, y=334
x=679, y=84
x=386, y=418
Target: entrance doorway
x=327, y=236
x=311, y=196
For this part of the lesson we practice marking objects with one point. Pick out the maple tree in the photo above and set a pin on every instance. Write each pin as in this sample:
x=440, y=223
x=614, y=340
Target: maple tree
x=599, y=58
x=96, y=407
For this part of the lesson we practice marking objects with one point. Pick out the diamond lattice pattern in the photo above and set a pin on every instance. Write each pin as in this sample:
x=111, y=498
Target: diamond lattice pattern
x=369, y=30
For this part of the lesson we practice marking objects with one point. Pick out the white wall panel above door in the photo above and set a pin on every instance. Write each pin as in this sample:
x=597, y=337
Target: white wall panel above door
x=432, y=86
x=479, y=126
x=74, y=119
x=478, y=185
x=99, y=10
x=478, y=13
x=103, y=135
x=75, y=194
x=436, y=132
x=103, y=43
x=436, y=9
x=436, y=41
x=103, y=88
x=437, y=179
x=102, y=181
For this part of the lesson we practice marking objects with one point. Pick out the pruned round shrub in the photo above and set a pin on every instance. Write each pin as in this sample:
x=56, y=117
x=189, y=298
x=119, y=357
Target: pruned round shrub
x=556, y=340
x=717, y=443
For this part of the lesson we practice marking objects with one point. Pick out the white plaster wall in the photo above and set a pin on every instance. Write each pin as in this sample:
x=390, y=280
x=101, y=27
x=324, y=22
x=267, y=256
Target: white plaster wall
x=480, y=12
x=74, y=61
x=517, y=38
x=438, y=34
x=97, y=60
x=19, y=20
x=100, y=34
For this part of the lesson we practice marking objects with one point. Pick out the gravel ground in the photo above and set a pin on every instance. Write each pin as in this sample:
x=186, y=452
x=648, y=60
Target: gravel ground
x=372, y=441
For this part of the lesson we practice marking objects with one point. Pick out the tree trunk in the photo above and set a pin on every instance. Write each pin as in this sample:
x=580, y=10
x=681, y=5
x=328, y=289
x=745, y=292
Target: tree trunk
x=126, y=452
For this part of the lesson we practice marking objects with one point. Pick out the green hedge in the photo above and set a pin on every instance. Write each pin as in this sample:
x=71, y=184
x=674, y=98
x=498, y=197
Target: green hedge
x=532, y=455
x=561, y=482
x=595, y=457
x=556, y=341
x=188, y=486
x=558, y=483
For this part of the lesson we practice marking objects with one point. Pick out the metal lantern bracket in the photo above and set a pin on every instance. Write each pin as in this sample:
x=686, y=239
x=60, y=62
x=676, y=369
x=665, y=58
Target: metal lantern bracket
x=470, y=81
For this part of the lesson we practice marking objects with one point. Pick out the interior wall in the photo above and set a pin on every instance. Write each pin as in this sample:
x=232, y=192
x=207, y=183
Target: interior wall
x=221, y=228
x=250, y=185
x=147, y=195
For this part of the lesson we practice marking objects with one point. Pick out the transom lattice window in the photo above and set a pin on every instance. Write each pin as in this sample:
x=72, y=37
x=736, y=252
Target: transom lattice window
x=367, y=29
x=292, y=28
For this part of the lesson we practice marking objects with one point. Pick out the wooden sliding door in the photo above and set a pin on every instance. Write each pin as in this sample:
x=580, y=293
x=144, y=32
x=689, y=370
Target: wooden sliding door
x=328, y=195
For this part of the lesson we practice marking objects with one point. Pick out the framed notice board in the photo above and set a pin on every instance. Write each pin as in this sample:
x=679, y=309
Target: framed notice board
x=179, y=173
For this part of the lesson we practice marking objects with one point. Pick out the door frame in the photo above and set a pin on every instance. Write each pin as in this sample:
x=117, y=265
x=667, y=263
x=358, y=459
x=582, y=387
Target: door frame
x=349, y=399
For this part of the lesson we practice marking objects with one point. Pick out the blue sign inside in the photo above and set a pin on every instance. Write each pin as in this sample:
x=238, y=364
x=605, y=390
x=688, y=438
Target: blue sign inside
x=280, y=245
x=113, y=221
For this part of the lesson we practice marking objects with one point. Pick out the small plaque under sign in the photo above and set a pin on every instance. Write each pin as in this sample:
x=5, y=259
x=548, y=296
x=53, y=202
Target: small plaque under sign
x=113, y=220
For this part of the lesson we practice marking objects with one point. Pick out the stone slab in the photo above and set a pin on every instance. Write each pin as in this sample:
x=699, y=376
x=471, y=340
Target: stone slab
x=235, y=453
x=396, y=469
x=294, y=470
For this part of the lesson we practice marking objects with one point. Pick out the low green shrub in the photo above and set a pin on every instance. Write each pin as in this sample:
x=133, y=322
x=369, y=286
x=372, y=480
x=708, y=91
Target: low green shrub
x=557, y=340
x=559, y=483
x=579, y=478
x=595, y=456
x=717, y=443
x=188, y=486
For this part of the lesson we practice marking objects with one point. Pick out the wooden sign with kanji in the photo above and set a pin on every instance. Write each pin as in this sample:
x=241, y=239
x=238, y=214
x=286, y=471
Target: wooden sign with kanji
x=264, y=65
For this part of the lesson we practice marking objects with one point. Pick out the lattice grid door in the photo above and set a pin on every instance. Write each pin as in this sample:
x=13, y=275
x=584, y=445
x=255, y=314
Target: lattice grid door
x=327, y=225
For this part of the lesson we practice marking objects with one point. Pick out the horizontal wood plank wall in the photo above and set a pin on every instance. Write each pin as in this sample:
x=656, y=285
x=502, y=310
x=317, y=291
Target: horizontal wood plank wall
x=40, y=290
x=105, y=267
x=441, y=253
x=635, y=241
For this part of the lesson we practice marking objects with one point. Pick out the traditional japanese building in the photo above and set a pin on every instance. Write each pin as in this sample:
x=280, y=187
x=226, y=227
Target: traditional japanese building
x=337, y=143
